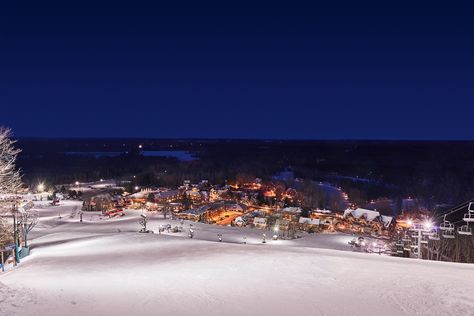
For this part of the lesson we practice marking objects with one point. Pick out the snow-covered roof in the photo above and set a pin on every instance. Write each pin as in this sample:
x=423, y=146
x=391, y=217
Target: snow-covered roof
x=193, y=193
x=140, y=195
x=260, y=220
x=362, y=213
x=322, y=211
x=166, y=194
x=369, y=215
x=309, y=221
x=294, y=210
x=386, y=220
x=160, y=193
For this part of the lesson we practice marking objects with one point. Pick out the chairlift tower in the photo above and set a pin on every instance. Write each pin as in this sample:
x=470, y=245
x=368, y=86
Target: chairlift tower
x=420, y=231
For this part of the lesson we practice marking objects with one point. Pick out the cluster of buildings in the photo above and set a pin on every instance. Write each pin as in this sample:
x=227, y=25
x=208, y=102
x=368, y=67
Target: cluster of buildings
x=253, y=204
x=363, y=221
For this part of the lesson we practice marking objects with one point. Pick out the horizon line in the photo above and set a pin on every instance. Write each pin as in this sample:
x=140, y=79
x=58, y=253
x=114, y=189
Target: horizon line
x=243, y=138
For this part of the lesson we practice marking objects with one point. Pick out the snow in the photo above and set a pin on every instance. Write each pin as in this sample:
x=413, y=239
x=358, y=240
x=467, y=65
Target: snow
x=362, y=213
x=369, y=215
x=307, y=220
x=97, y=185
x=386, y=220
x=104, y=267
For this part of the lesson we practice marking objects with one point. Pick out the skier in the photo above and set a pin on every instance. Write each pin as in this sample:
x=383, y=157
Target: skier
x=245, y=240
x=191, y=233
x=219, y=236
x=264, y=239
x=352, y=243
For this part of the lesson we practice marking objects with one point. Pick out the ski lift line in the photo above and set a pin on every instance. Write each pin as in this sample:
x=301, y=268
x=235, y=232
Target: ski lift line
x=455, y=209
x=459, y=221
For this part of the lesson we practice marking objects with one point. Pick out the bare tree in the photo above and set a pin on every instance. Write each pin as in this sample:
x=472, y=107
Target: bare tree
x=27, y=222
x=10, y=178
x=6, y=236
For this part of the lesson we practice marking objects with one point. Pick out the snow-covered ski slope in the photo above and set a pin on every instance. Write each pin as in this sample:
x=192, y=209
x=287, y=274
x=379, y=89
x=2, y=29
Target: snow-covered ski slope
x=104, y=267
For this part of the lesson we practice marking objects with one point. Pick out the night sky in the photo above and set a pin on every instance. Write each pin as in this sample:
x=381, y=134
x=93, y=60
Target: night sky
x=352, y=71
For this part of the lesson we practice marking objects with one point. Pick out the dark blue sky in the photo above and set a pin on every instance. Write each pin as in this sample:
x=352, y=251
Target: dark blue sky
x=391, y=71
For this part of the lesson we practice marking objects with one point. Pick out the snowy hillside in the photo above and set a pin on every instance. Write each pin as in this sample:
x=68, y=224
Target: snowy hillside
x=103, y=267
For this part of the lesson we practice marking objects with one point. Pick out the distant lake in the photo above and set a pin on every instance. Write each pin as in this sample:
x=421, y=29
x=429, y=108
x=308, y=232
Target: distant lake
x=179, y=154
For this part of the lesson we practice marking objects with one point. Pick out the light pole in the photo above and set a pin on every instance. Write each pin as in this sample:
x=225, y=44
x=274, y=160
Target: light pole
x=40, y=187
x=16, y=238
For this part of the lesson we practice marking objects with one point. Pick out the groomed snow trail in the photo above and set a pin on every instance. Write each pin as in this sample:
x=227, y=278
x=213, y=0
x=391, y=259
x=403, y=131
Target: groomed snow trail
x=103, y=267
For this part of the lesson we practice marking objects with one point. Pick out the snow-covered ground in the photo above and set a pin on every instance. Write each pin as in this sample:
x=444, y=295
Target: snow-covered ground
x=104, y=267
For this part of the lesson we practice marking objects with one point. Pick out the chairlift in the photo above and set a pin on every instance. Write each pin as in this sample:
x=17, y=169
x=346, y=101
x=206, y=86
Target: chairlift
x=406, y=237
x=448, y=234
x=399, y=246
x=434, y=235
x=446, y=226
x=464, y=230
x=469, y=216
x=470, y=207
x=407, y=244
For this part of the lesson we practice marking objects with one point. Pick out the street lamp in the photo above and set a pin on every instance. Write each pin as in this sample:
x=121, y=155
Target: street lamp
x=428, y=224
x=40, y=187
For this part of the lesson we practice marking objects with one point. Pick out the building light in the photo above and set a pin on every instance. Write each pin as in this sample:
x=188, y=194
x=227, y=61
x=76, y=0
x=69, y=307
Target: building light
x=40, y=187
